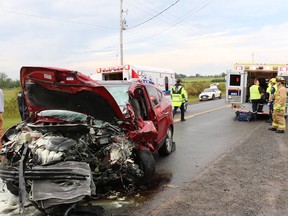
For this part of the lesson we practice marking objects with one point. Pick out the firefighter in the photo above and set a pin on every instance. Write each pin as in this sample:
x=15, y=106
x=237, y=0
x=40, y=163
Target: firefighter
x=271, y=90
x=279, y=124
x=179, y=98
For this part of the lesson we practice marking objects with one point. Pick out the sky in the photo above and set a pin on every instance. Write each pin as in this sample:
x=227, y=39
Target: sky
x=188, y=36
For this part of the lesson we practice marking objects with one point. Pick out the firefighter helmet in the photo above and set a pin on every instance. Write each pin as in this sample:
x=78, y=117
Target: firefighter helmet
x=280, y=79
x=273, y=80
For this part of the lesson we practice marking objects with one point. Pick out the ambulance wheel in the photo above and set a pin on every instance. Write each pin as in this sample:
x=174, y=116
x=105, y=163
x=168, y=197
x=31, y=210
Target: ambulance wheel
x=213, y=97
x=220, y=96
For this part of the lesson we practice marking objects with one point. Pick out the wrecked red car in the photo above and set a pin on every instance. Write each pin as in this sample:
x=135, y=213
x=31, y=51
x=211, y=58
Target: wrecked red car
x=81, y=136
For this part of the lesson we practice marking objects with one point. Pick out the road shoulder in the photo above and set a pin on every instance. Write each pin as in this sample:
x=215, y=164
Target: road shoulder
x=250, y=179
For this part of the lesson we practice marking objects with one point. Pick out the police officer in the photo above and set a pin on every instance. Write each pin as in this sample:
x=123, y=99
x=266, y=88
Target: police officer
x=279, y=124
x=179, y=97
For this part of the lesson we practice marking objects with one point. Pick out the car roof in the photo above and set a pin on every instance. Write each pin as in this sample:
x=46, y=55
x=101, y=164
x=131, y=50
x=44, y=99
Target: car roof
x=124, y=82
x=114, y=82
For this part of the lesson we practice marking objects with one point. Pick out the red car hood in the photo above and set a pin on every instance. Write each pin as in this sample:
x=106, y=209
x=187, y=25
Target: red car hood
x=54, y=88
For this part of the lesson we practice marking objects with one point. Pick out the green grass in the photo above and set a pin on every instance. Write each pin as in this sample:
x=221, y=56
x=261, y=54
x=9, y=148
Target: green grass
x=10, y=93
x=9, y=122
x=11, y=114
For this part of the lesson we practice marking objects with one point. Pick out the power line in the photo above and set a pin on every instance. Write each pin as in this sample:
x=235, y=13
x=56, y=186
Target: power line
x=52, y=18
x=155, y=15
x=188, y=14
x=187, y=28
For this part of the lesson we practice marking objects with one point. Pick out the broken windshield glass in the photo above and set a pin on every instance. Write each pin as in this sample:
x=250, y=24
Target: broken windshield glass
x=120, y=94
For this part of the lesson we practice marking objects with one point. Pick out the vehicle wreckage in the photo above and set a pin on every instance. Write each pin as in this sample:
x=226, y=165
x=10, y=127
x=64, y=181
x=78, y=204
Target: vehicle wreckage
x=76, y=141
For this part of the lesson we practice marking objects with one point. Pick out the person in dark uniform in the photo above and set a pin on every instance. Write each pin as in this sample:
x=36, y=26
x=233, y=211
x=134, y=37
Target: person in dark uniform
x=22, y=106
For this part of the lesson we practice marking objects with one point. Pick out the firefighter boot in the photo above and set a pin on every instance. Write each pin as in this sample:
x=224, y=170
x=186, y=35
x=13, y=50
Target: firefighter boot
x=272, y=129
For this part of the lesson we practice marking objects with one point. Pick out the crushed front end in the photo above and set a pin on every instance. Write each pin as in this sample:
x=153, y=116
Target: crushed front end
x=63, y=158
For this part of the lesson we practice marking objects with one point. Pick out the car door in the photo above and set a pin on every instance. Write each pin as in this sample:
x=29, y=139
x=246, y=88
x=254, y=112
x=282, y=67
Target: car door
x=161, y=111
x=216, y=93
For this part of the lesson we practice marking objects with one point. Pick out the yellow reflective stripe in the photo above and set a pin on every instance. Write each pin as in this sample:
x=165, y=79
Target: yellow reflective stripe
x=274, y=125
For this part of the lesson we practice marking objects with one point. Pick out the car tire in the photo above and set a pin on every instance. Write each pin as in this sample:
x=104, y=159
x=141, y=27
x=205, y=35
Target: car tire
x=213, y=97
x=13, y=188
x=220, y=96
x=146, y=162
x=169, y=145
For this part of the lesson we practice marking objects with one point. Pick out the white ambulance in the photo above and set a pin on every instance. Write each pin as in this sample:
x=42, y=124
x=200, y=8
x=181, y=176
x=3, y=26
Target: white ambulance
x=164, y=79
x=241, y=78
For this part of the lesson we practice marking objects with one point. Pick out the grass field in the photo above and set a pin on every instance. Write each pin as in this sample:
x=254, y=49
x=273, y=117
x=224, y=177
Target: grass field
x=11, y=114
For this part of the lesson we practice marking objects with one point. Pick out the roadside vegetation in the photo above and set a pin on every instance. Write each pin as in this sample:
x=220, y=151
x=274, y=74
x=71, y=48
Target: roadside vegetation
x=194, y=86
x=11, y=114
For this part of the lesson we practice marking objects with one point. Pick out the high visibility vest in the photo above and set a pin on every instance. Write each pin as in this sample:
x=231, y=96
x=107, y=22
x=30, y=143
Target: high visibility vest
x=268, y=90
x=178, y=95
x=254, y=92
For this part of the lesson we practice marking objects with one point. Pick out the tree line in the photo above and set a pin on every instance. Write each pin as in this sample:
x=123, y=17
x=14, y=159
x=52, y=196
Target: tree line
x=6, y=82
x=199, y=75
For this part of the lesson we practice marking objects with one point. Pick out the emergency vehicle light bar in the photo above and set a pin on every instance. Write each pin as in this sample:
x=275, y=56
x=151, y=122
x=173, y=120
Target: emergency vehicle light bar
x=239, y=68
x=261, y=67
x=275, y=68
x=283, y=68
x=109, y=69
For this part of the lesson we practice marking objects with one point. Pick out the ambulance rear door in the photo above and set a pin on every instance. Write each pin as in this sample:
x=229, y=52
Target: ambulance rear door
x=236, y=87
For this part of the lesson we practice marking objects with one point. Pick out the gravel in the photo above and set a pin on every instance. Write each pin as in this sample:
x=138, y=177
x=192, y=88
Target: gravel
x=250, y=179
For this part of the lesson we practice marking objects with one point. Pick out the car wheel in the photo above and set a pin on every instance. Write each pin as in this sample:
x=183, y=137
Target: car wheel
x=168, y=145
x=13, y=188
x=145, y=160
x=213, y=97
x=220, y=96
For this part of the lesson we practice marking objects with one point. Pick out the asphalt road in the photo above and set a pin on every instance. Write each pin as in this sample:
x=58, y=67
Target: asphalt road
x=208, y=132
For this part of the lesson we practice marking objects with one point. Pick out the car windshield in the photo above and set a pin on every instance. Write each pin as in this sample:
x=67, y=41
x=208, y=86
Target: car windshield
x=208, y=90
x=119, y=93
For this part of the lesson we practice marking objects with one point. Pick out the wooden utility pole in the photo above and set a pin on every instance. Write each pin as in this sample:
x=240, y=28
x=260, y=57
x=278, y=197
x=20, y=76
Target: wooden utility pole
x=121, y=32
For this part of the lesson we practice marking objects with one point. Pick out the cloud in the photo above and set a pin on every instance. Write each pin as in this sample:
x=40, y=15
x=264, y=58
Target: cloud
x=84, y=35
